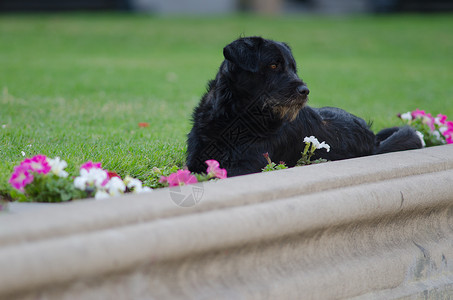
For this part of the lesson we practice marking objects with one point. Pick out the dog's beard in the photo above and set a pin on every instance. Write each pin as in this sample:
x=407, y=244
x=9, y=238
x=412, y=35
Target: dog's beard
x=287, y=112
x=290, y=110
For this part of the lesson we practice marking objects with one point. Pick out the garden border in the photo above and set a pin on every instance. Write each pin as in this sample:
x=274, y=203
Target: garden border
x=372, y=227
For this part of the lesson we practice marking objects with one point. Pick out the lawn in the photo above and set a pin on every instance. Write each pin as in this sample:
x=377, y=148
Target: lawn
x=77, y=85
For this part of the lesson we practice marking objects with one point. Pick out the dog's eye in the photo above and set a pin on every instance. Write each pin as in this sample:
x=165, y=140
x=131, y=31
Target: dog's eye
x=273, y=66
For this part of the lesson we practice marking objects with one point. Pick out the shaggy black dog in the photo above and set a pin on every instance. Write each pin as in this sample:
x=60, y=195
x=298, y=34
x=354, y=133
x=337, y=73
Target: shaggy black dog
x=256, y=104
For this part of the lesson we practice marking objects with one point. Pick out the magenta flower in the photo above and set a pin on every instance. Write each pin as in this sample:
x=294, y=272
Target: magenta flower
x=37, y=164
x=418, y=113
x=21, y=177
x=449, y=135
x=214, y=169
x=441, y=129
x=182, y=177
x=441, y=119
x=90, y=165
x=426, y=117
x=449, y=125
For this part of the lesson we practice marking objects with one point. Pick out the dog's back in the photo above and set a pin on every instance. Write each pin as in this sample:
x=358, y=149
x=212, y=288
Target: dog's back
x=350, y=135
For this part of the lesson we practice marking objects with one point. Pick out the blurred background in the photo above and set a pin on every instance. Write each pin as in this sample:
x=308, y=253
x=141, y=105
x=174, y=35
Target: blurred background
x=198, y=7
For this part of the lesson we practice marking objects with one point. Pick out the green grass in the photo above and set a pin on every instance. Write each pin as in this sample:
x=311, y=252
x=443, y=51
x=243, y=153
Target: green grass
x=76, y=86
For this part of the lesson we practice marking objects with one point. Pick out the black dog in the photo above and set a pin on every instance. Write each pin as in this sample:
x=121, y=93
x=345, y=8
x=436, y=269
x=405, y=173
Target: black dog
x=256, y=104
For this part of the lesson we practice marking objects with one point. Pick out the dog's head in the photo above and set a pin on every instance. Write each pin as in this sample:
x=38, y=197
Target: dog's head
x=266, y=72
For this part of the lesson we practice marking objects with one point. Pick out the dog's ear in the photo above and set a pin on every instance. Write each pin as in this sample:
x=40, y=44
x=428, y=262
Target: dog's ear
x=244, y=53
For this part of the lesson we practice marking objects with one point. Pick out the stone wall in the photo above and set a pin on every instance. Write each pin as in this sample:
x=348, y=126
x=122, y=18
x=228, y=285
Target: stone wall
x=378, y=227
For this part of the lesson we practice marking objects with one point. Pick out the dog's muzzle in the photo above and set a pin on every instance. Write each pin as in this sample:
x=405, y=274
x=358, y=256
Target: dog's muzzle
x=291, y=108
x=303, y=90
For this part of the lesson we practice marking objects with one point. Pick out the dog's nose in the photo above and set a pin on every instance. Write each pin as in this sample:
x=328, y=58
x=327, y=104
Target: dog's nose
x=303, y=90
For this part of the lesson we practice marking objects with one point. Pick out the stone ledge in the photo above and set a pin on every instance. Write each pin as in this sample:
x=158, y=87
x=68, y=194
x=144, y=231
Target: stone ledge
x=373, y=227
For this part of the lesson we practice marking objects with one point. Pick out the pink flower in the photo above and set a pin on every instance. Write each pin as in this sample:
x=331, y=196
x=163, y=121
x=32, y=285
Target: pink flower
x=90, y=165
x=214, y=169
x=449, y=135
x=182, y=177
x=449, y=125
x=427, y=118
x=441, y=119
x=37, y=164
x=20, y=177
x=110, y=175
x=418, y=113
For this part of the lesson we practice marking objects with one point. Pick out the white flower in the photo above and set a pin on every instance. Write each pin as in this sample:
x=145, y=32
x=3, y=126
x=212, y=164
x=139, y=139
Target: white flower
x=4, y=126
x=309, y=139
x=136, y=185
x=101, y=195
x=420, y=135
x=23, y=153
x=325, y=146
x=133, y=183
x=80, y=182
x=406, y=116
x=115, y=186
x=316, y=144
x=437, y=121
x=312, y=140
x=94, y=177
x=57, y=166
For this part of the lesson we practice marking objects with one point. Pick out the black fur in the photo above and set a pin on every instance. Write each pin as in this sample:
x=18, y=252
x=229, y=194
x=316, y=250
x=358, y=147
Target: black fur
x=256, y=104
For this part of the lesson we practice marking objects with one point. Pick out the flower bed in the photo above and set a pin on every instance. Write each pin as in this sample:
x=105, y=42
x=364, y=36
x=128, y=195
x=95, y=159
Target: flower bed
x=42, y=179
x=432, y=130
